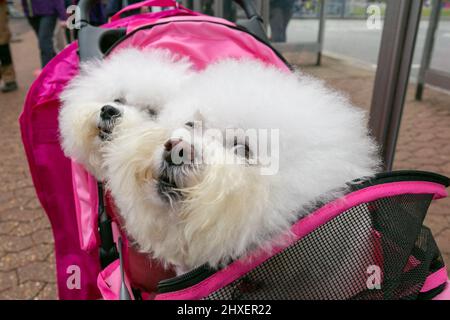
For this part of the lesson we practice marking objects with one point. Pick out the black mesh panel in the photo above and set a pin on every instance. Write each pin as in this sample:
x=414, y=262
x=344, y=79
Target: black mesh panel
x=334, y=261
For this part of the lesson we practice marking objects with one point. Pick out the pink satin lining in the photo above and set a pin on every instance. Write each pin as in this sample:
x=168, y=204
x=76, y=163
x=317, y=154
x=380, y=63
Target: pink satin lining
x=86, y=204
x=301, y=229
x=435, y=279
x=109, y=282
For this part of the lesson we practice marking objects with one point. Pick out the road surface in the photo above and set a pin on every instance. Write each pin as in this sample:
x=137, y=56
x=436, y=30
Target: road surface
x=352, y=39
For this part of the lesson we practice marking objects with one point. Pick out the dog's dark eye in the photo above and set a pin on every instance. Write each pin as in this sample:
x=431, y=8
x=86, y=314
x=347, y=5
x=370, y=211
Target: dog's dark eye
x=119, y=100
x=189, y=124
x=238, y=145
x=152, y=112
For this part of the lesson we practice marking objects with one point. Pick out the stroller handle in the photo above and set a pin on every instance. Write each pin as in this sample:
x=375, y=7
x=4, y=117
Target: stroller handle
x=88, y=35
x=247, y=5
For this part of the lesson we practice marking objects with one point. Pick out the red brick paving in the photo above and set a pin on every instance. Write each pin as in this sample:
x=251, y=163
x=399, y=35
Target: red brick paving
x=27, y=269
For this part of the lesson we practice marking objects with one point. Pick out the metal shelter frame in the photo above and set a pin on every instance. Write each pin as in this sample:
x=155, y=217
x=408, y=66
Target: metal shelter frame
x=428, y=75
x=263, y=6
x=392, y=77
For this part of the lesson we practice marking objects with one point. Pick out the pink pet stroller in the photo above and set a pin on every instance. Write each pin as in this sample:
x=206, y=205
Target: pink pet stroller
x=369, y=245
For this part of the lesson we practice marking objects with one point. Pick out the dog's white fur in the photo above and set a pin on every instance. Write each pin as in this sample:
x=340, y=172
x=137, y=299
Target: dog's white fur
x=226, y=210
x=142, y=80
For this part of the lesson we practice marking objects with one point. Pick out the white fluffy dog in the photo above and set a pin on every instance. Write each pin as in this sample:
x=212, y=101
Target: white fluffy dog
x=131, y=87
x=237, y=156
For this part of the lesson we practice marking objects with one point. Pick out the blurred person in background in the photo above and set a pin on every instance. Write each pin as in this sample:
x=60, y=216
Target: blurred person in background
x=114, y=6
x=98, y=14
x=280, y=14
x=229, y=11
x=97, y=18
x=43, y=16
x=7, y=73
x=207, y=7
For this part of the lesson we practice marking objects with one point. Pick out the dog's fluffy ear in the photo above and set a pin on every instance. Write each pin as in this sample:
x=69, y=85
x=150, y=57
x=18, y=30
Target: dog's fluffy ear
x=148, y=76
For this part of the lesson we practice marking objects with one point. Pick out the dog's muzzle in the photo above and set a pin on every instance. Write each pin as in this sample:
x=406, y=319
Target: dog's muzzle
x=176, y=165
x=178, y=152
x=108, y=119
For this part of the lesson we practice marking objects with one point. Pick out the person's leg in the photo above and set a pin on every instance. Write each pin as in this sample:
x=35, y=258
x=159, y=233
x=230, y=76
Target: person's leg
x=6, y=69
x=288, y=11
x=229, y=11
x=5, y=34
x=34, y=23
x=207, y=6
x=47, y=26
x=277, y=24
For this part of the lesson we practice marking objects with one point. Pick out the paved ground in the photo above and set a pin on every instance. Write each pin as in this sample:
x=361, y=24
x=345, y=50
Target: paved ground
x=352, y=38
x=26, y=244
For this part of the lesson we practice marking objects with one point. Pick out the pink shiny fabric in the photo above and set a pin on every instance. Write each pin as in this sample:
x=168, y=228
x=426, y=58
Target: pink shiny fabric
x=302, y=228
x=203, y=42
x=110, y=280
x=66, y=193
x=85, y=197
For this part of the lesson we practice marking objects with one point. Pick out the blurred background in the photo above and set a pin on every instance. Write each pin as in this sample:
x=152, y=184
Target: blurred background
x=338, y=41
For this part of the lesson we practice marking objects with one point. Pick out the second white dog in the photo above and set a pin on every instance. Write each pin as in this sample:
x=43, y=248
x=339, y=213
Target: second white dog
x=132, y=87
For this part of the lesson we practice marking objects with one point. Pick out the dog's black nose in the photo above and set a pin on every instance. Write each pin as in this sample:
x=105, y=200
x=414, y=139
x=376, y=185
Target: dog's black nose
x=177, y=152
x=171, y=143
x=109, y=112
x=171, y=153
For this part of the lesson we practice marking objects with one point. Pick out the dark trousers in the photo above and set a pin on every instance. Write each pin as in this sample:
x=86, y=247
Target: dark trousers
x=44, y=27
x=7, y=73
x=280, y=15
x=5, y=55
